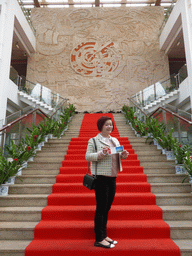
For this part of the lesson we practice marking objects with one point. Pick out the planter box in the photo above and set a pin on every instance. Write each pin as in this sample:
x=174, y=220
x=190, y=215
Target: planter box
x=19, y=173
x=164, y=151
x=155, y=142
x=4, y=188
x=170, y=155
x=46, y=138
x=39, y=147
x=30, y=159
x=50, y=136
x=158, y=146
x=11, y=180
x=24, y=165
x=180, y=169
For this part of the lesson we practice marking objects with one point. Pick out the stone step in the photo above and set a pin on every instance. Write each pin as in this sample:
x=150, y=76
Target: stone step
x=51, y=154
x=13, y=247
x=24, y=189
x=179, y=212
x=20, y=213
x=17, y=247
x=51, y=178
x=17, y=230
x=180, y=229
x=25, y=230
x=159, y=170
x=148, y=153
x=152, y=164
x=166, y=178
x=36, y=179
x=47, y=188
x=38, y=200
x=49, y=159
x=44, y=165
x=185, y=246
x=29, y=171
x=174, y=199
x=152, y=158
x=170, y=188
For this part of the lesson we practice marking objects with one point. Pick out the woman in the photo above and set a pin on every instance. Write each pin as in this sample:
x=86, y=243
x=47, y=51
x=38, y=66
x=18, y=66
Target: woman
x=108, y=167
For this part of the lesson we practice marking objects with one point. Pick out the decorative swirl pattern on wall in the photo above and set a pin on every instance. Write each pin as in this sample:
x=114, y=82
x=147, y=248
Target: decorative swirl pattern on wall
x=92, y=59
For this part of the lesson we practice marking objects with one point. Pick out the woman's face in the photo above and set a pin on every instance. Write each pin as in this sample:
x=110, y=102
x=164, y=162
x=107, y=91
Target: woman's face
x=107, y=127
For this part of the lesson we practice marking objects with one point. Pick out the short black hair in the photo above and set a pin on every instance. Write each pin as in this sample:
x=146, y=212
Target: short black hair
x=101, y=121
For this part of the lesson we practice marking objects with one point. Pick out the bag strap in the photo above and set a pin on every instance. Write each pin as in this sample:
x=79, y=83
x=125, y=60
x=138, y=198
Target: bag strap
x=96, y=161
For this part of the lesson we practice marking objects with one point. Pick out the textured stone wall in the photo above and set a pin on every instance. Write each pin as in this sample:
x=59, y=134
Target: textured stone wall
x=97, y=57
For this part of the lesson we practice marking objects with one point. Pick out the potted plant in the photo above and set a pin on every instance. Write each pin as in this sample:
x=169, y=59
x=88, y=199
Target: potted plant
x=167, y=142
x=188, y=167
x=7, y=170
x=180, y=153
x=140, y=128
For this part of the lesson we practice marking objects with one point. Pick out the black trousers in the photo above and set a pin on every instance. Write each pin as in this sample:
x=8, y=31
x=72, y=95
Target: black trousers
x=104, y=192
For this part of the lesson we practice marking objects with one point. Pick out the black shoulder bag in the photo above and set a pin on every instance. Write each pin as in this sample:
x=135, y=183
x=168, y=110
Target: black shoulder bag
x=89, y=180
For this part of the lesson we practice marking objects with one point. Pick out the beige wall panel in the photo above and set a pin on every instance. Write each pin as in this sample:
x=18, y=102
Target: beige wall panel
x=97, y=57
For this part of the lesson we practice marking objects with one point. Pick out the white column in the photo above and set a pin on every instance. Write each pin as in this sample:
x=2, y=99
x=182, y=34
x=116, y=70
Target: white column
x=6, y=33
x=186, y=15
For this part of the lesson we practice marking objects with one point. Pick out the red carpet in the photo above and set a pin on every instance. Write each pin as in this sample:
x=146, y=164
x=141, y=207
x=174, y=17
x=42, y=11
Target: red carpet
x=135, y=221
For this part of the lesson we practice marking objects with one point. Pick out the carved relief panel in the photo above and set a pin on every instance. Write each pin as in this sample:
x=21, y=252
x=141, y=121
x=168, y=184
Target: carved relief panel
x=97, y=57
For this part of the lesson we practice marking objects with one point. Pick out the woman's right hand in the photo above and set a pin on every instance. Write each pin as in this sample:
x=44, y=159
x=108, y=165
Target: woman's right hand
x=105, y=150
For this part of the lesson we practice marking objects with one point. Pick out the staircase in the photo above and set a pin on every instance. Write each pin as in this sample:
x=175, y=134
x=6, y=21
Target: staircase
x=168, y=98
x=21, y=210
x=174, y=197
x=24, y=97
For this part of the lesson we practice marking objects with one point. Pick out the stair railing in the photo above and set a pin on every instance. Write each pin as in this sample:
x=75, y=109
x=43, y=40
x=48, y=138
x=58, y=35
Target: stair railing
x=160, y=89
x=16, y=129
x=39, y=92
x=182, y=127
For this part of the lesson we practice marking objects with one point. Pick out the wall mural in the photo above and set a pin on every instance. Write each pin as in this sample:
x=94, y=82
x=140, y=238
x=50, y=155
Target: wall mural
x=97, y=60
x=97, y=57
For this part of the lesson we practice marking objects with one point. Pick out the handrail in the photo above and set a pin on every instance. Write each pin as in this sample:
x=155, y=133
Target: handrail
x=144, y=95
x=137, y=106
x=54, y=93
x=21, y=118
x=25, y=115
x=173, y=113
x=58, y=108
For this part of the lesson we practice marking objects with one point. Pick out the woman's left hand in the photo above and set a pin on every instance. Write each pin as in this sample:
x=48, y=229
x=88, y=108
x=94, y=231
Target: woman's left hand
x=124, y=154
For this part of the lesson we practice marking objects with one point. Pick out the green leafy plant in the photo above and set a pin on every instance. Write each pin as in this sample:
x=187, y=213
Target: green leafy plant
x=7, y=169
x=140, y=128
x=167, y=141
x=180, y=152
x=188, y=165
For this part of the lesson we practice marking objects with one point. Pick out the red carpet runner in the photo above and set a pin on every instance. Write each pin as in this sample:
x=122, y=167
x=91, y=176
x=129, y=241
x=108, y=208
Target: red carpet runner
x=135, y=220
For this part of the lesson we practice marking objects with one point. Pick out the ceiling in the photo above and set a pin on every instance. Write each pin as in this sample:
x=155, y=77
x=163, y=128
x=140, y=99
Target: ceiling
x=94, y=3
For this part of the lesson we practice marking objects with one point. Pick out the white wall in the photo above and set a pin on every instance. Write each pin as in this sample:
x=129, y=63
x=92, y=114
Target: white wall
x=180, y=18
x=11, y=17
